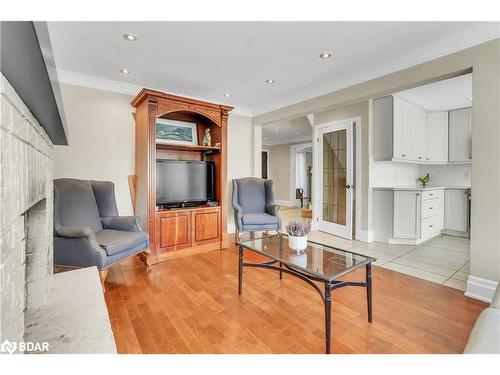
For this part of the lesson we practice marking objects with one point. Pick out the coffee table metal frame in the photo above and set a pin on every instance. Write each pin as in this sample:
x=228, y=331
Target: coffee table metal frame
x=329, y=285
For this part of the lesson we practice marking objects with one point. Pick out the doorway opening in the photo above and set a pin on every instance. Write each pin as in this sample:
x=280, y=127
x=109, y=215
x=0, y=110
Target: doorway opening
x=286, y=159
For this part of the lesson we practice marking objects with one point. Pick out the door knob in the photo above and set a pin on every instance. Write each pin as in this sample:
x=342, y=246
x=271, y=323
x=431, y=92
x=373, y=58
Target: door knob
x=348, y=186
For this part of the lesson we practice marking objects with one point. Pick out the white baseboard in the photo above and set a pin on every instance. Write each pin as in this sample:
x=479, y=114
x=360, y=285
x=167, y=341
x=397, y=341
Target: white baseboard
x=404, y=241
x=481, y=289
x=365, y=235
x=285, y=203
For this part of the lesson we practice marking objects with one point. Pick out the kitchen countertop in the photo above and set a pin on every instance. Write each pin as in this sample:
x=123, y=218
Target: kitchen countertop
x=418, y=188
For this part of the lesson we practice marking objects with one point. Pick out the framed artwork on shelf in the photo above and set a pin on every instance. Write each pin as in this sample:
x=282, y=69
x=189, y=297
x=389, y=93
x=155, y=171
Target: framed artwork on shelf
x=176, y=132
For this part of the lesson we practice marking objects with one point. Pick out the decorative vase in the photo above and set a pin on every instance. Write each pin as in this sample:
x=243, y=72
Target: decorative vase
x=207, y=139
x=297, y=243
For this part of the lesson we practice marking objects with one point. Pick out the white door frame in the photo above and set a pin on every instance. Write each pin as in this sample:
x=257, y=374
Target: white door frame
x=293, y=163
x=358, y=184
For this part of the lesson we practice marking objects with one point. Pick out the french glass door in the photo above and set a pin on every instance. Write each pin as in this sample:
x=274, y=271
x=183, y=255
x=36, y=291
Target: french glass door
x=336, y=179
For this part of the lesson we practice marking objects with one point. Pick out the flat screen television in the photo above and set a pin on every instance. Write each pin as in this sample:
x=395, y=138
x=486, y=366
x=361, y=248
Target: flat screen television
x=182, y=183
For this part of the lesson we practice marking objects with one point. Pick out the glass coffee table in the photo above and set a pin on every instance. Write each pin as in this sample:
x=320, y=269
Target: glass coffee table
x=316, y=264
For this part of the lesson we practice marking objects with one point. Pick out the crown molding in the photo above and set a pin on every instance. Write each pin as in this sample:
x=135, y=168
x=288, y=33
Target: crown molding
x=99, y=83
x=439, y=48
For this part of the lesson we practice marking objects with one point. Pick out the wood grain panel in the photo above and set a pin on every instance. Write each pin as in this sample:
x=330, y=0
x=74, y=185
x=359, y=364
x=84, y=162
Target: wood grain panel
x=174, y=231
x=206, y=226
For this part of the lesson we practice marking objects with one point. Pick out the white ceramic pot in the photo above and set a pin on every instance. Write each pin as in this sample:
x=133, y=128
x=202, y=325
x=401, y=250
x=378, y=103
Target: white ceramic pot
x=297, y=243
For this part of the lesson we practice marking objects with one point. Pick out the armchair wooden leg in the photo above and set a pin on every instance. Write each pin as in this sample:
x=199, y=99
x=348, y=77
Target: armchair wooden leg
x=144, y=257
x=252, y=235
x=103, y=274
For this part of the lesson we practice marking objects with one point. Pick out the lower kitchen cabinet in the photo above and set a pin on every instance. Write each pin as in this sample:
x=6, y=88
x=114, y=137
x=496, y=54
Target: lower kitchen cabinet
x=418, y=215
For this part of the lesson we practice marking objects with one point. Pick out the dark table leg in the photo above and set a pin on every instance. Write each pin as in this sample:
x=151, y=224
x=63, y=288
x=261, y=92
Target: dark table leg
x=369, y=290
x=328, y=315
x=240, y=269
x=281, y=273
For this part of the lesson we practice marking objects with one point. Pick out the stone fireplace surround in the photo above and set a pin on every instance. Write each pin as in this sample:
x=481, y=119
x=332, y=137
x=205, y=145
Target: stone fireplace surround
x=26, y=174
x=67, y=310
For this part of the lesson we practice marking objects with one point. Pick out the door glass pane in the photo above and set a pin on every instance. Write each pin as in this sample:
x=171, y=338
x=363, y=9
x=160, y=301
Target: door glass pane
x=334, y=177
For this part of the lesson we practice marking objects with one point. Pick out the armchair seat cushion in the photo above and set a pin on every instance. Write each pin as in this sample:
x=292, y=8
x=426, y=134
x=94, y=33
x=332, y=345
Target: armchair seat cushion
x=259, y=219
x=117, y=241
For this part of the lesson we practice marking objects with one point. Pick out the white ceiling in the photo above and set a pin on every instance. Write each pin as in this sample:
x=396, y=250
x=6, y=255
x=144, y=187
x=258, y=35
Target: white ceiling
x=290, y=131
x=442, y=95
x=207, y=60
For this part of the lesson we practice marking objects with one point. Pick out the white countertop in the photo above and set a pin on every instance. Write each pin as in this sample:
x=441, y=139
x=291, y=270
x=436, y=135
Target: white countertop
x=419, y=188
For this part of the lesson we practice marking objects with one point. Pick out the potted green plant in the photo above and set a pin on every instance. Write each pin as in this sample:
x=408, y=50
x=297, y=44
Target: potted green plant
x=297, y=235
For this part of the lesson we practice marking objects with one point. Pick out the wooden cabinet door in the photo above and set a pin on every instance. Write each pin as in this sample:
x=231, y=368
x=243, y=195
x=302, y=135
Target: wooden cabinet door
x=173, y=230
x=437, y=137
x=456, y=206
x=407, y=214
x=460, y=135
x=207, y=226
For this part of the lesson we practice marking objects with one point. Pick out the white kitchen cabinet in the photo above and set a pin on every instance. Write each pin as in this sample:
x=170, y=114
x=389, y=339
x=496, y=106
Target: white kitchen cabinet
x=406, y=214
x=406, y=123
x=437, y=137
x=403, y=148
x=418, y=139
x=418, y=215
x=460, y=135
x=456, y=208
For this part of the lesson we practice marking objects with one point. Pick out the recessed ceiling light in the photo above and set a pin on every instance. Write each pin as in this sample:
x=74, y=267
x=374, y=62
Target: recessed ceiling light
x=471, y=98
x=227, y=95
x=124, y=71
x=325, y=55
x=130, y=37
x=276, y=129
x=265, y=139
x=270, y=81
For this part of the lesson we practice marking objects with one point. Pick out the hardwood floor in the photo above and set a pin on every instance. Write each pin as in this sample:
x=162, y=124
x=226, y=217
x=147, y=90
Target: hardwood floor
x=191, y=305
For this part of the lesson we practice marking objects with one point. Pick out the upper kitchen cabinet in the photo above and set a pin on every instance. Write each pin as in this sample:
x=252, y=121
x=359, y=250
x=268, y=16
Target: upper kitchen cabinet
x=460, y=136
x=399, y=130
x=437, y=137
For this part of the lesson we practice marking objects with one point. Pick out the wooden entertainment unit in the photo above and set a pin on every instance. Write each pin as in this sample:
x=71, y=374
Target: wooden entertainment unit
x=179, y=231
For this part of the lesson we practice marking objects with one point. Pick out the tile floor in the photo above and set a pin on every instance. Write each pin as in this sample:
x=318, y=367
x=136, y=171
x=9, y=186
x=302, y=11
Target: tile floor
x=443, y=260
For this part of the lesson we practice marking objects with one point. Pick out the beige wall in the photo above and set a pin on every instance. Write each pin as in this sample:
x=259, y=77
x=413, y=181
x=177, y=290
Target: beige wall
x=101, y=146
x=239, y=155
x=347, y=112
x=279, y=170
x=484, y=61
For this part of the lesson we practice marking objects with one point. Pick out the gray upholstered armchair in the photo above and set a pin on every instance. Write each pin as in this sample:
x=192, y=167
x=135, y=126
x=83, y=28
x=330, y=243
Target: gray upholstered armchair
x=87, y=229
x=254, y=206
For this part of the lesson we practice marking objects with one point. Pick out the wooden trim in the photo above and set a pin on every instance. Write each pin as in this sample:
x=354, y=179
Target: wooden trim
x=132, y=181
x=147, y=93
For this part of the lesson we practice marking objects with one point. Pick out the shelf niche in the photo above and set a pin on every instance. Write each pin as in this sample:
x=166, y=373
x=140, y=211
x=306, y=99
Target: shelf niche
x=152, y=105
